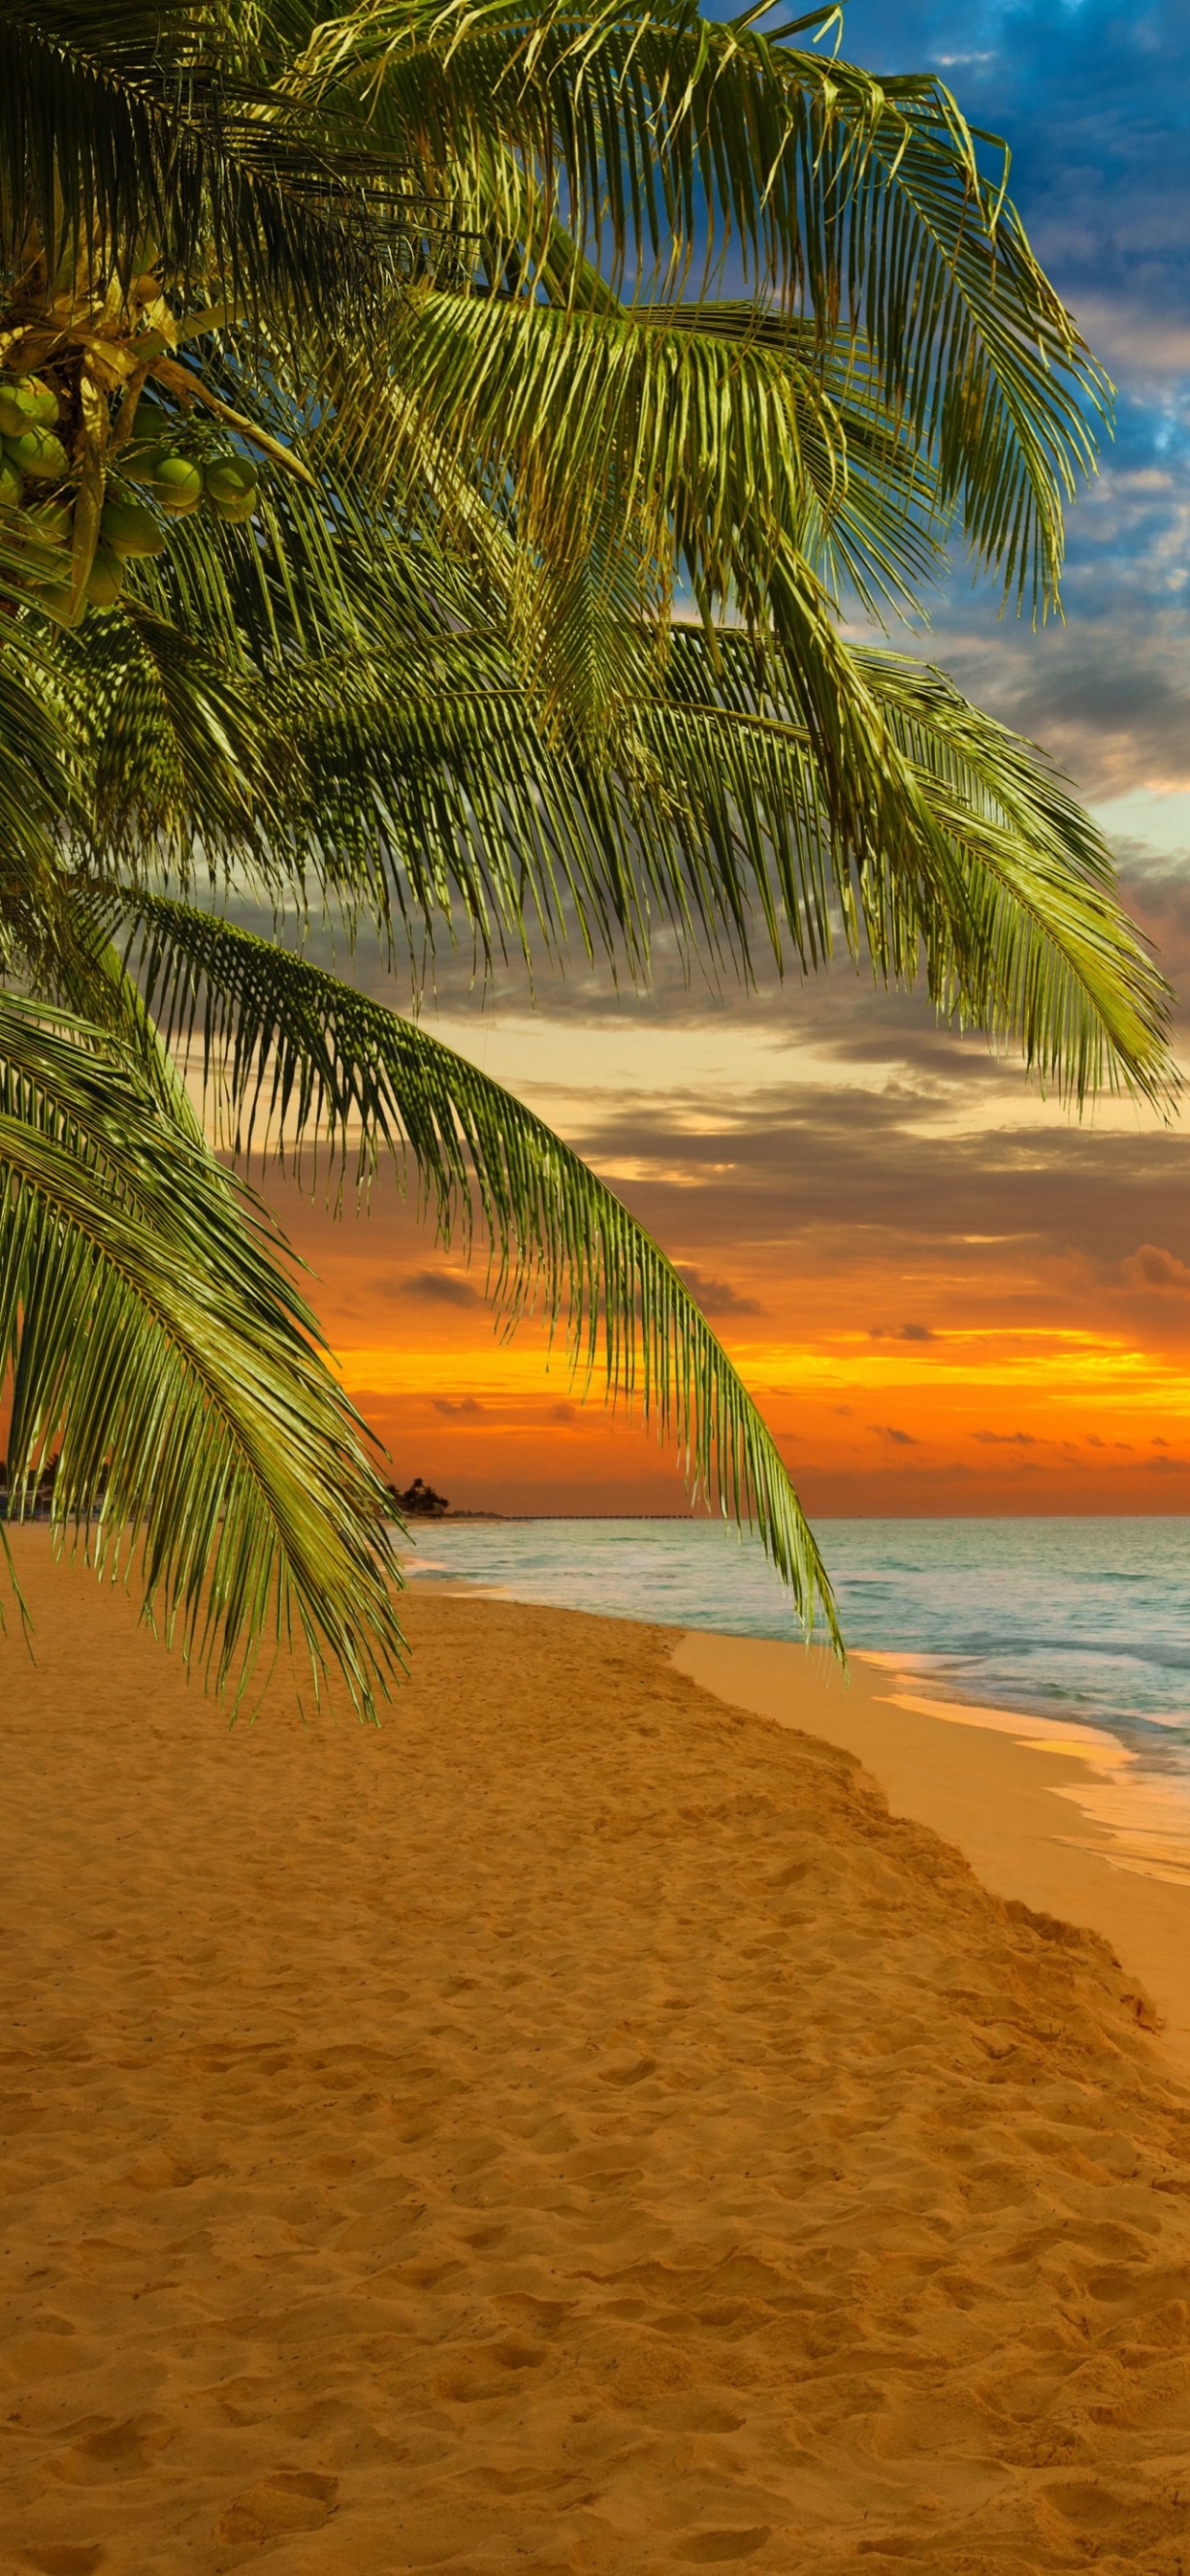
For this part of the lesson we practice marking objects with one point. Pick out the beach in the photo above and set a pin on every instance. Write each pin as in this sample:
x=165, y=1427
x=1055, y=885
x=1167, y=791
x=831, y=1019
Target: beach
x=576, y=2126
x=1049, y=1815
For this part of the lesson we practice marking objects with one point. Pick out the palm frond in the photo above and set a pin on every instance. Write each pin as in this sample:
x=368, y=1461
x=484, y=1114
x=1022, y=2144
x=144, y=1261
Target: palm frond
x=410, y=777
x=297, y=1057
x=149, y=1338
x=961, y=851
x=125, y=142
x=1045, y=959
x=697, y=433
x=185, y=764
x=661, y=139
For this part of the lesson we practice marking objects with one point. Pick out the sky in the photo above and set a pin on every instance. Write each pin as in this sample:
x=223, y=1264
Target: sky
x=947, y=1294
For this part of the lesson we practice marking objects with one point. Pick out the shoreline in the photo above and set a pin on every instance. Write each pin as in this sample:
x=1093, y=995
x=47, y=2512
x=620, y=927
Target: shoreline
x=1046, y=1814
x=1049, y=1813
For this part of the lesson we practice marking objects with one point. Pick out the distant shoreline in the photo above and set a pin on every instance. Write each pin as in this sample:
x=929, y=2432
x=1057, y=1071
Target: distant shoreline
x=820, y=1520
x=438, y=1518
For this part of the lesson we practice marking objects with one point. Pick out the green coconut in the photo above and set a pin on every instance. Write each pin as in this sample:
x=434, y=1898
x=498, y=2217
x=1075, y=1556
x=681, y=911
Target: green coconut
x=27, y=404
x=230, y=479
x=153, y=418
x=130, y=529
x=41, y=401
x=105, y=581
x=233, y=488
x=152, y=429
x=11, y=486
x=177, y=485
x=139, y=461
x=235, y=512
x=38, y=454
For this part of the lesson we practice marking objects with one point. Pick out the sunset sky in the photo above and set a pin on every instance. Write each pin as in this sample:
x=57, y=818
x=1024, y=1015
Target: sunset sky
x=948, y=1295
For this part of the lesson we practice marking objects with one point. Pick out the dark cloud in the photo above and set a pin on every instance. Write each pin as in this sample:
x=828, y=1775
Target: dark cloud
x=440, y=1288
x=1150, y=1267
x=716, y=1296
x=1106, y=697
x=1006, y=1439
x=465, y=1404
x=889, y=1431
x=859, y=1174
x=901, y=1333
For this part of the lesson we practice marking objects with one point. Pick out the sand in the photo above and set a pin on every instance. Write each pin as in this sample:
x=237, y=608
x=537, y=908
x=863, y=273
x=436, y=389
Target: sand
x=575, y=2128
x=1045, y=1813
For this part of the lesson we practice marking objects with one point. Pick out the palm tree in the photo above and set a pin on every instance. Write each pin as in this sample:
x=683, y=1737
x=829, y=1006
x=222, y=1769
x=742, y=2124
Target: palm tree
x=443, y=445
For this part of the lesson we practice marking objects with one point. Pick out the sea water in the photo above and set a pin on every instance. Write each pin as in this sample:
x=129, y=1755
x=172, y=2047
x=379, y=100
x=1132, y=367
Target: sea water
x=1085, y=1619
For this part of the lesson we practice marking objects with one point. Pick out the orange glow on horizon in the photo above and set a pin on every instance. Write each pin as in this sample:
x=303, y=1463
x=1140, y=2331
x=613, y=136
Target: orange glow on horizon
x=966, y=1418
x=950, y=1304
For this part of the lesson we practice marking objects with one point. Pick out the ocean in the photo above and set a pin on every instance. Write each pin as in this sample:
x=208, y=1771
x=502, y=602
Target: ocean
x=1066, y=1619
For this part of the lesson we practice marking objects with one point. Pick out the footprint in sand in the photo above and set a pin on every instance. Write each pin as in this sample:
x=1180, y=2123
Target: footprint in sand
x=290, y=2500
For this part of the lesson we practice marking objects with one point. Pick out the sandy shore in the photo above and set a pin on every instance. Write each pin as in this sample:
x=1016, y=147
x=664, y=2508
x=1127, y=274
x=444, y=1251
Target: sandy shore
x=1046, y=1814
x=576, y=2128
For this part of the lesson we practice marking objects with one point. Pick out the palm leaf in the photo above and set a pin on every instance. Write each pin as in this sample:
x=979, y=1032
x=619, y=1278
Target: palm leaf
x=147, y=1333
x=661, y=138
x=409, y=777
x=181, y=755
x=297, y=1056
x=423, y=764
x=125, y=141
x=1050, y=963
x=694, y=432
x=991, y=876
x=435, y=787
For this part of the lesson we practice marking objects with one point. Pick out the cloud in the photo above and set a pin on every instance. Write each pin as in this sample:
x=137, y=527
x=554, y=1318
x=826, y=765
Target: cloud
x=716, y=1296
x=901, y=1333
x=1108, y=696
x=458, y=1404
x=441, y=1288
x=832, y=1175
x=1006, y=1439
x=1093, y=102
x=889, y=1431
x=1150, y=1267
x=1149, y=347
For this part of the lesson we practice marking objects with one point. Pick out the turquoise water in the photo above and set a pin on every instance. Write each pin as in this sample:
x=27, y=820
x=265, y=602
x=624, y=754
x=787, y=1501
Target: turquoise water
x=1086, y=1619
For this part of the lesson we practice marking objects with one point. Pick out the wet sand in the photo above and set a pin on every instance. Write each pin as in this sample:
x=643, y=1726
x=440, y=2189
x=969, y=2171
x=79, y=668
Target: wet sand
x=575, y=2128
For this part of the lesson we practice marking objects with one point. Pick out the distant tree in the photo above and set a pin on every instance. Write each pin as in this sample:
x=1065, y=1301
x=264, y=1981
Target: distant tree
x=419, y=1501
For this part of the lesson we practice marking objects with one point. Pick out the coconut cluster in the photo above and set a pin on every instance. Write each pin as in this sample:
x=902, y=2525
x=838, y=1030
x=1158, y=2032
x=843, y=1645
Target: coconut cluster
x=41, y=521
